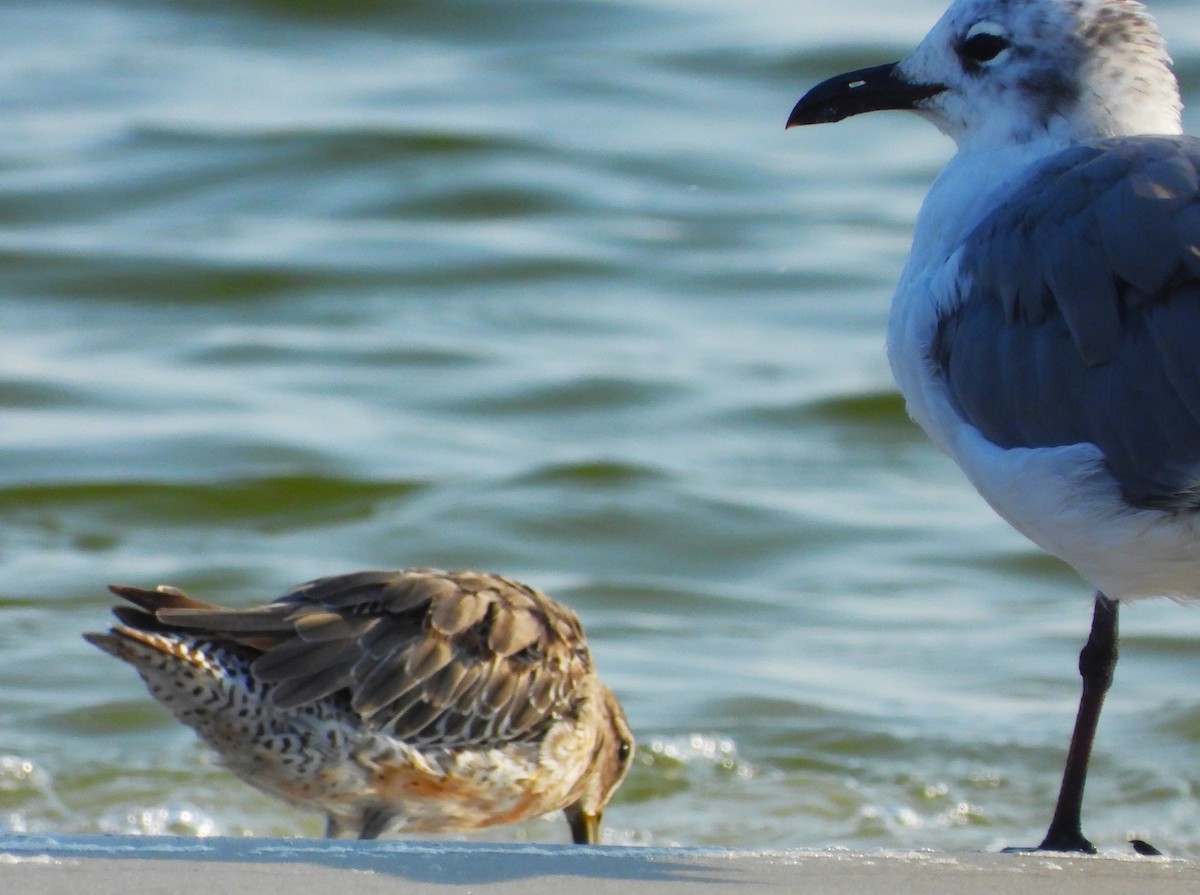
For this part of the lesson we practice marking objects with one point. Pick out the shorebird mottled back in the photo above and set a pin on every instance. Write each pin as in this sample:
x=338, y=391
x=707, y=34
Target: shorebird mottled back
x=414, y=701
x=1044, y=329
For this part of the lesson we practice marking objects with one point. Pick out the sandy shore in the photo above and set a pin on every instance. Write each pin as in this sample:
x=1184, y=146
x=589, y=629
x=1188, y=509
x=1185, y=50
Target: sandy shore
x=52, y=865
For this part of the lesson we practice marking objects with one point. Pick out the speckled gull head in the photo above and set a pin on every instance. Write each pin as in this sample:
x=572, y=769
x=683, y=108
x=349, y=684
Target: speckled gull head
x=1044, y=329
x=996, y=72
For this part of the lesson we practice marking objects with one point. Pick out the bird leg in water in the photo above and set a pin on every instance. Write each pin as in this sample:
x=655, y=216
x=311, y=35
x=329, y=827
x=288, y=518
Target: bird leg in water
x=1096, y=663
x=375, y=822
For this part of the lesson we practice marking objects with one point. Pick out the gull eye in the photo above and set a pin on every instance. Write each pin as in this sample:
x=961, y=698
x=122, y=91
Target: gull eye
x=983, y=47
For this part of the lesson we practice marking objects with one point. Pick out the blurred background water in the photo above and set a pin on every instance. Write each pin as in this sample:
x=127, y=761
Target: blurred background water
x=292, y=288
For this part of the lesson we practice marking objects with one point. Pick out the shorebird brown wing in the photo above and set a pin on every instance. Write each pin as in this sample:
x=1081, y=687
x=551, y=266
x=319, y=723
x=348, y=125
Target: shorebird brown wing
x=142, y=614
x=452, y=658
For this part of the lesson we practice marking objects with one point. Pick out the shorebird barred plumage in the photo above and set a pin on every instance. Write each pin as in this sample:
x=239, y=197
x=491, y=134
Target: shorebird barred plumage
x=413, y=701
x=1044, y=331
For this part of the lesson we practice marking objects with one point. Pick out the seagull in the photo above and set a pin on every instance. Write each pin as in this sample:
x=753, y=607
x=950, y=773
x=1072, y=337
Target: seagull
x=1045, y=329
x=416, y=700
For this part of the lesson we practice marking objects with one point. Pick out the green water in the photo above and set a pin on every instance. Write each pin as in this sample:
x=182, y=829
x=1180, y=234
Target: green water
x=542, y=288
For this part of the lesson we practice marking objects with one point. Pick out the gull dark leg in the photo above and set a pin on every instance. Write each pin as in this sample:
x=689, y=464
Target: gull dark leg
x=1096, y=663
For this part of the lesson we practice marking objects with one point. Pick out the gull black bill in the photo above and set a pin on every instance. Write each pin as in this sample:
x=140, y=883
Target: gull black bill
x=865, y=90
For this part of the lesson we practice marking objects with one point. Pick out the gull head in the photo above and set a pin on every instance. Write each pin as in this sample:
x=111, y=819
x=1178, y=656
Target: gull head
x=1002, y=72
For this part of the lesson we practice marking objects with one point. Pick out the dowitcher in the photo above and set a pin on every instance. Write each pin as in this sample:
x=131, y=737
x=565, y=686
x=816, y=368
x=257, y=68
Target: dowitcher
x=417, y=700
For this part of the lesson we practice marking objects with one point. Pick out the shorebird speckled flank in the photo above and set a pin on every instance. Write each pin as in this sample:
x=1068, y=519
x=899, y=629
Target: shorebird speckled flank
x=1044, y=332
x=412, y=701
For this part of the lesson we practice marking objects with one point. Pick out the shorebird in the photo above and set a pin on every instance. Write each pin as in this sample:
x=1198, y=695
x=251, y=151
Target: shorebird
x=1045, y=329
x=414, y=701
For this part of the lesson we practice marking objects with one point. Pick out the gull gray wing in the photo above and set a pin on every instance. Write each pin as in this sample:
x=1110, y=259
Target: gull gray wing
x=452, y=658
x=1079, y=319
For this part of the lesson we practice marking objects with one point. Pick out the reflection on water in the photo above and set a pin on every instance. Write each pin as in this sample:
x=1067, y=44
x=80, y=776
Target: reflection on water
x=541, y=288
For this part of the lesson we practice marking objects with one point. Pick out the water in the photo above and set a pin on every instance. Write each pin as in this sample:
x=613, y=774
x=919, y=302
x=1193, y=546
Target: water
x=544, y=288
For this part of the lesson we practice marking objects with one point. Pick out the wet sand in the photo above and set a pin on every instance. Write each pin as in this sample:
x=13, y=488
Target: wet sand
x=99, y=865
